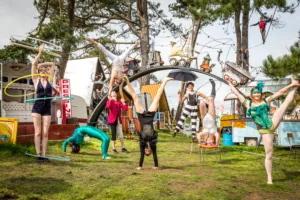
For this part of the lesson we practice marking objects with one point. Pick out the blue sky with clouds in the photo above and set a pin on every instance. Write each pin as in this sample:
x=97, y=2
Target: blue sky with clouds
x=18, y=18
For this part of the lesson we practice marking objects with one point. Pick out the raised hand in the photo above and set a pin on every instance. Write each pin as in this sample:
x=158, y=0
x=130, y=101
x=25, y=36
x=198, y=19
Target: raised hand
x=136, y=44
x=41, y=48
x=227, y=78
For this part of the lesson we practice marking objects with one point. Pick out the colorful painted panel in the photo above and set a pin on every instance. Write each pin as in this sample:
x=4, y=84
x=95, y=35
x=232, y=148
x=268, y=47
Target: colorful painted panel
x=8, y=130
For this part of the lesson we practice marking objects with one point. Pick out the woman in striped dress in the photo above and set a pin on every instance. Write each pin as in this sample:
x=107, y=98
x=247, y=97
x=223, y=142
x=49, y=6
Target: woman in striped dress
x=190, y=109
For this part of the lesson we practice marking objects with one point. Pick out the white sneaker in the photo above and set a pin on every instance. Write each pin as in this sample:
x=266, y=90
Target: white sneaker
x=107, y=158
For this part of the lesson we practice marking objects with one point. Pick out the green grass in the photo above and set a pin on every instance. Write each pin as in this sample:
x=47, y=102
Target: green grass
x=182, y=176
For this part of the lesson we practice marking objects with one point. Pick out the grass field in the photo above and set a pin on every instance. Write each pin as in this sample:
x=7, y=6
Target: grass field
x=182, y=176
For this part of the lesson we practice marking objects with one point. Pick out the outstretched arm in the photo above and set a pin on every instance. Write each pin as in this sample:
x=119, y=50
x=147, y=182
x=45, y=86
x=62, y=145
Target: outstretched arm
x=254, y=24
x=282, y=91
x=241, y=98
x=35, y=63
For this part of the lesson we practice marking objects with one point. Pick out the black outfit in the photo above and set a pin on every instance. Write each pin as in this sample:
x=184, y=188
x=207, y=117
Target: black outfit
x=114, y=130
x=43, y=106
x=147, y=134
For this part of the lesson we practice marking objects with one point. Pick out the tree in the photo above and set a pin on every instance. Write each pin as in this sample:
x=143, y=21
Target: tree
x=10, y=52
x=67, y=25
x=142, y=18
x=199, y=11
x=239, y=11
x=81, y=17
x=285, y=65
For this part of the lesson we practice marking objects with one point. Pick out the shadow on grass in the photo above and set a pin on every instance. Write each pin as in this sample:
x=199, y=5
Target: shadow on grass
x=36, y=185
x=290, y=175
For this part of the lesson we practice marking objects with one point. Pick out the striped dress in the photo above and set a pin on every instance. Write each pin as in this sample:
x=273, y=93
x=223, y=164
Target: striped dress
x=190, y=109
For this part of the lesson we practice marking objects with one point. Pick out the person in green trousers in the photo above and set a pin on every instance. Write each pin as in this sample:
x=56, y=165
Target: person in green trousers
x=77, y=139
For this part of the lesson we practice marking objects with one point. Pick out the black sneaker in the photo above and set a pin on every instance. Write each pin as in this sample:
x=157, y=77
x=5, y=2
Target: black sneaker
x=115, y=150
x=174, y=134
x=124, y=150
x=39, y=159
x=46, y=160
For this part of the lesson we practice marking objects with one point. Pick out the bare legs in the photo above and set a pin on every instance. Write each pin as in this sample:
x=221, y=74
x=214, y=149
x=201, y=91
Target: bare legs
x=160, y=91
x=268, y=144
x=37, y=122
x=277, y=116
x=138, y=106
x=268, y=138
x=46, y=125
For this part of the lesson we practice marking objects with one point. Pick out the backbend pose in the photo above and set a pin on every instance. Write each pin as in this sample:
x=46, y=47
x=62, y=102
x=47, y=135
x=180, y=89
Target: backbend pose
x=258, y=109
x=148, y=136
x=41, y=110
x=190, y=109
x=77, y=139
x=262, y=27
x=118, y=62
x=115, y=119
x=209, y=123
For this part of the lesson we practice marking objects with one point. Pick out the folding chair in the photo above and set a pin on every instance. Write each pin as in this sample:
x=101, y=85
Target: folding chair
x=293, y=147
x=216, y=148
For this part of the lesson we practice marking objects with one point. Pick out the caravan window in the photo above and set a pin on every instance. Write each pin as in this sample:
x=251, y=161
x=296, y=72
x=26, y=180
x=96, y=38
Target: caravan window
x=4, y=79
x=29, y=96
x=21, y=81
x=13, y=92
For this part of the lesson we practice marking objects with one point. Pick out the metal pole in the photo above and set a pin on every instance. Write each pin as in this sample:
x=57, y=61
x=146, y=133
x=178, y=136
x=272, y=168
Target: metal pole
x=1, y=93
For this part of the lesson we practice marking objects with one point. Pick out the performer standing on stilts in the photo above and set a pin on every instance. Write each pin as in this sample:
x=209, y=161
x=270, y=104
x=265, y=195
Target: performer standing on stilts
x=148, y=136
x=190, y=109
x=118, y=62
x=258, y=109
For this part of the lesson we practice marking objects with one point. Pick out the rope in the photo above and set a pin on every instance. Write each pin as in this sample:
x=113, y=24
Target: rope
x=271, y=22
x=209, y=82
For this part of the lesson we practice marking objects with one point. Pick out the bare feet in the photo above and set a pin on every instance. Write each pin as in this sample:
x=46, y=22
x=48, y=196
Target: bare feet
x=138, y=168
x=156, y=168
x=168, y=79
x=270, y=181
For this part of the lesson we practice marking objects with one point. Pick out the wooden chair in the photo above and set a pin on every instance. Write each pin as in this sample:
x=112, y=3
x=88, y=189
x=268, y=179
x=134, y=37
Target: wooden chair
x=293, y=147
x=216, y=148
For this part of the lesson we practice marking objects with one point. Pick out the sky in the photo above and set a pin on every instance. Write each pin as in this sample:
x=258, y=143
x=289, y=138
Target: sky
x=18, y=17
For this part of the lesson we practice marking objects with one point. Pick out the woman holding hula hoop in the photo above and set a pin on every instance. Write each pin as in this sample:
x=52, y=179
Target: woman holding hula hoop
x=258, y=109
x=41, y=110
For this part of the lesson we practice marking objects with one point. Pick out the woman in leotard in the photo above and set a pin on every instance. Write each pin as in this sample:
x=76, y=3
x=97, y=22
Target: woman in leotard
x=41, y=110
x=78, y=136
x=258, y=109
x=148, y=136
x=118, y=62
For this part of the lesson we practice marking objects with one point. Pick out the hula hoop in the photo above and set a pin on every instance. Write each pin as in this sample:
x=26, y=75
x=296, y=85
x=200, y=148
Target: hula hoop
x=10, y=95
x=56, y=98
x=50, y=157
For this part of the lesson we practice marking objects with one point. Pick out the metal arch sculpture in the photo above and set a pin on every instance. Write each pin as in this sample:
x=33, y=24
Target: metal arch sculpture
x=101, y=105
